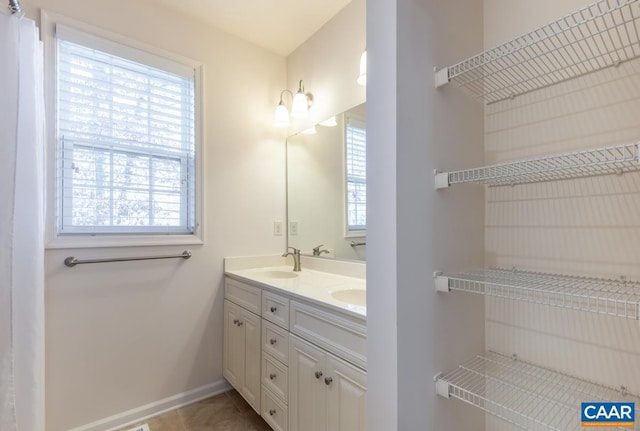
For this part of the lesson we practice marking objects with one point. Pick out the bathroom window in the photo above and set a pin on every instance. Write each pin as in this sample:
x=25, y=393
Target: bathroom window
x=126, y=140
x=356, y=174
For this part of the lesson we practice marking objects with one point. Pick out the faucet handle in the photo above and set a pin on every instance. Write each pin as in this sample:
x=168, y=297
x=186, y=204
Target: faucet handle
x=317, y=251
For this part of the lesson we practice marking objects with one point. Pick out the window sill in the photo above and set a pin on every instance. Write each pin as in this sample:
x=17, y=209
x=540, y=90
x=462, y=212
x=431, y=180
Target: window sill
x=105, y=241
x=355, y=234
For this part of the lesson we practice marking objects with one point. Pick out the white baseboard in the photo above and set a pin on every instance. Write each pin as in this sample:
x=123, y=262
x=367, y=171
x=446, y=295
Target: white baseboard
x=156, y=408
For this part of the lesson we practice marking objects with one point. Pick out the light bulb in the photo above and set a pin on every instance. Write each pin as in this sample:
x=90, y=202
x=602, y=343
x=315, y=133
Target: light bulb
x=300, y=106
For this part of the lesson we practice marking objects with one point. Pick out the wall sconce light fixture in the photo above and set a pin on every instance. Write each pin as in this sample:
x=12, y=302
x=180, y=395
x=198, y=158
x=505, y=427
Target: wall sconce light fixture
x=300, y=104
x=362, y=78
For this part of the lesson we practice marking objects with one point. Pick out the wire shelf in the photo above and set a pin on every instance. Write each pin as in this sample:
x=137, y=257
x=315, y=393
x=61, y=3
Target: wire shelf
x=602, y=34
x=620, y=298
x=601, y=161
x=524, y=394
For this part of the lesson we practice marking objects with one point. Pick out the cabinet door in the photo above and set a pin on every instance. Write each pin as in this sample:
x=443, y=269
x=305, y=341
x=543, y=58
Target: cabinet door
x=346, y=396
x=234, y=346
x=307, y=390
x=252, y=359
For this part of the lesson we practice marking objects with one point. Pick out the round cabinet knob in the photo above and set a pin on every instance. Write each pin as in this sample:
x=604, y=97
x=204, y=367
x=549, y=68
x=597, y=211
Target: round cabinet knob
x=272, y=376
x=272, y=412
x=318, y=374
x=328, y=380
x=273, y=341
x=273, y=309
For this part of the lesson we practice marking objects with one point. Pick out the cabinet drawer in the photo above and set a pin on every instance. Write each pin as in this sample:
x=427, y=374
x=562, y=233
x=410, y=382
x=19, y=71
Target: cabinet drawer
x=275, y=377
x=244, y=295
x=275, y=308
x=340, y=335
x=275, y=341
x=274, y=412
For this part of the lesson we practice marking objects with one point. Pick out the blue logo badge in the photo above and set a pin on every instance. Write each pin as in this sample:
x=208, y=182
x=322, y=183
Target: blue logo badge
x=608, y=415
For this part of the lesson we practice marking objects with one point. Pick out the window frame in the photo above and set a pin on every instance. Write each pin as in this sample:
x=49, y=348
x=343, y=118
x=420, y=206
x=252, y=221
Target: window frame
x=53, y=238
x=348, y=232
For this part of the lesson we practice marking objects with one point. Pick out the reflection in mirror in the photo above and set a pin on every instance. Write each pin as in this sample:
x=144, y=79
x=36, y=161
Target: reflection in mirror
x=326, y=188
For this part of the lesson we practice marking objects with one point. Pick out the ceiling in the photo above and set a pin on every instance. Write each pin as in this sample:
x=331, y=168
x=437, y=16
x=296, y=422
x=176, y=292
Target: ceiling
x=277, y=25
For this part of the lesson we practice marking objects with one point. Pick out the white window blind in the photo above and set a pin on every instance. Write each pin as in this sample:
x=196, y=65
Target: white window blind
x=356, y=161
x=126, y=153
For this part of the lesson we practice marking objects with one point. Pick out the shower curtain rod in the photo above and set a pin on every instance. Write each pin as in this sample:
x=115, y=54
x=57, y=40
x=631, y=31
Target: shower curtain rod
x=14, y=6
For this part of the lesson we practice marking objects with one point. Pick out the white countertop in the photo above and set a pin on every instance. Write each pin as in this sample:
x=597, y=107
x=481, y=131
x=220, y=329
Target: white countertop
x=308, y=284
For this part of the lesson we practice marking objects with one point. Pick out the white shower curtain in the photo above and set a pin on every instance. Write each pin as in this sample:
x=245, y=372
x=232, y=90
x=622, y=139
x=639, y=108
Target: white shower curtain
x=21, y=226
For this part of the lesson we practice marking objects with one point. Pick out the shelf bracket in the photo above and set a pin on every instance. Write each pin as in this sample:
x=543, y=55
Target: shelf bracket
x=441, y=281
x=441, y=77
x=442, y=386
x=440, y=180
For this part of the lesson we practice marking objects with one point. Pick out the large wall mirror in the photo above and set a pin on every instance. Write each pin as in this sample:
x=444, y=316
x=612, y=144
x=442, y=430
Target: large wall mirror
x=326, y=187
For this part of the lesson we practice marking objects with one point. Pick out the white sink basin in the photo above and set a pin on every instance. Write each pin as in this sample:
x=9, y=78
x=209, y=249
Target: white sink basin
x=276, y=274
x=351, y=296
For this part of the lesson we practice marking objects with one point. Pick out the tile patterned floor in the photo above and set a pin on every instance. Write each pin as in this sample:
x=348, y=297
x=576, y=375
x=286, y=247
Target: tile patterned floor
x=224, y=412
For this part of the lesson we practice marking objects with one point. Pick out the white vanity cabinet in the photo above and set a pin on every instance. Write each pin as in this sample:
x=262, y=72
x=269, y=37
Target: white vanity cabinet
x=242, y=340
x=327, y=377
x=275, y=360
x=312, y=358
x=327, y=393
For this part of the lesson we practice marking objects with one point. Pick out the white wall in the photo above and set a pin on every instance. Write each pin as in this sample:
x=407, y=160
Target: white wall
x=122, y=335
x=329, y=64
x=382, y=265
x=586, y=226
x=413, y=229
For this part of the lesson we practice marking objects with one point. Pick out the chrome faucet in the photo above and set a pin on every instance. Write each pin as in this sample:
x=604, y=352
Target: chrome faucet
x=317, y=251
x=296, y=258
